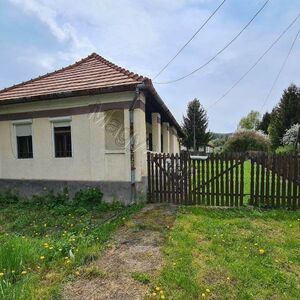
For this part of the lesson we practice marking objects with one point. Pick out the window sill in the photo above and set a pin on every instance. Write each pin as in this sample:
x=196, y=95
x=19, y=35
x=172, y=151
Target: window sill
x=115, y=152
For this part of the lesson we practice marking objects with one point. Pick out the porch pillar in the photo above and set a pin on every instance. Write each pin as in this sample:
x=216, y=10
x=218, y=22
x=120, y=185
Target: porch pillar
x=174, y=144
x=156, y=132
x=166, y=137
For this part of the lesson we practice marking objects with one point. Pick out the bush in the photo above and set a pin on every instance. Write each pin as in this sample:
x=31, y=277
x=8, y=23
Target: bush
x=290, y=136
x=88, y=196
x=9, y=197
x=285, y=149
x=247, y=140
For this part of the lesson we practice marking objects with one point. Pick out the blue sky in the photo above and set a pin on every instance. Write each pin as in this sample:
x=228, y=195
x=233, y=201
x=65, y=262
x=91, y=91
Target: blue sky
x=39, y=36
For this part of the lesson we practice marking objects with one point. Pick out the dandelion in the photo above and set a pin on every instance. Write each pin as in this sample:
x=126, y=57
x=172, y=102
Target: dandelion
x=1, y=274
x=203, y=295
x=42, y=257
x=261, y=251
x=23, y=272
x=207, y=290
x=154, y=294
x=157, y=288
x=77, y=273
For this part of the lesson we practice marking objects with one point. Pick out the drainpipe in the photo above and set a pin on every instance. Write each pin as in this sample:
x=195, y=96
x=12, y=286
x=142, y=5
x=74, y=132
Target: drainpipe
x=132, y=140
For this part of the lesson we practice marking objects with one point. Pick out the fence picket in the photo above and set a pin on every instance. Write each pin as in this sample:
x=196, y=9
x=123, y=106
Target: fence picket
x=219, y=179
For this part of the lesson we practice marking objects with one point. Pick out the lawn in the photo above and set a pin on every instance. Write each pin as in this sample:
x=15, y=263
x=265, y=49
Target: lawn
x=45, y=245
x=232, y=254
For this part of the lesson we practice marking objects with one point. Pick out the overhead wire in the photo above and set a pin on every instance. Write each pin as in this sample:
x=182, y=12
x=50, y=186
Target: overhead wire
x=220, y=51
x=193, y=36
x=281, y=69
x=256, y=62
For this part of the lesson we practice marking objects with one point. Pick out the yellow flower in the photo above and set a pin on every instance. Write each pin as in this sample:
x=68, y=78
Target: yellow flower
x=77, y=273
x=157, y=288
x=174, y=264
x=203, y=295
x=42, y=257
x=162, y=297
x=24, y=272
x=153, y=294
x=261, y=251
x=1, y=274
x=207, y=290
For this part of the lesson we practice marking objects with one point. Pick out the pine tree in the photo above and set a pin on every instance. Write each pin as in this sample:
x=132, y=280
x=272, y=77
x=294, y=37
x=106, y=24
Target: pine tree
x=196, y=115
x=285, y=114
x=265, y=122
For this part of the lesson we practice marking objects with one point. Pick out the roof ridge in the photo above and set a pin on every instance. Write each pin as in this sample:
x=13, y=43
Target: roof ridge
x=49, y=74
x=118, y=68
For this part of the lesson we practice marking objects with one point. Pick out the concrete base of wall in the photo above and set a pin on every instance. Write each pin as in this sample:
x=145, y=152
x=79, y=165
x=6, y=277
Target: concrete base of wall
x=112, y=190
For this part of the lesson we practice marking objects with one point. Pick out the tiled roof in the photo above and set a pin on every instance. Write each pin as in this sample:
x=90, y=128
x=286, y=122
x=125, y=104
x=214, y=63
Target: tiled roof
x=92, y=72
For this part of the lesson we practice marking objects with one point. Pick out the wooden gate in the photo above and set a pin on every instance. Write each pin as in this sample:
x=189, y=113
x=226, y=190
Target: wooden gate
x=182, y=179
x=275, y=180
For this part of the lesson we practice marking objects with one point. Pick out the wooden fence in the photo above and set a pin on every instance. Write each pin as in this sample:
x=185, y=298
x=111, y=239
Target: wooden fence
x=219, y=180
x=215, y=181
x=275, y=181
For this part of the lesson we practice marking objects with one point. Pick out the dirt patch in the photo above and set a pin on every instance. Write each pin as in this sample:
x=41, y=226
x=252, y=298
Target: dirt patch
x=135, y=248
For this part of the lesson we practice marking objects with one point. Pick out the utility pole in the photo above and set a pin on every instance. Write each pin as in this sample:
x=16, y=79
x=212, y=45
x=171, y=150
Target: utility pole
x=194, y=132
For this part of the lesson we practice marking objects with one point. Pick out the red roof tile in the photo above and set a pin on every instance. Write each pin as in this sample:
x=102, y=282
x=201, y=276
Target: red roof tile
x=92, y=72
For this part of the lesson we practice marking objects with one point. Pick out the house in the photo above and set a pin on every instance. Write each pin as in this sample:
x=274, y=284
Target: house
x=87, y=125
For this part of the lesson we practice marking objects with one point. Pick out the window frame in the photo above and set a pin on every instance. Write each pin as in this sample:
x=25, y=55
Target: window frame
x=15, y=138
x=59, y=120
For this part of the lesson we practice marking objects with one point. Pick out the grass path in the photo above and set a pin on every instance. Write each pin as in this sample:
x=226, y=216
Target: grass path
x=129, y=266
x=232, y=254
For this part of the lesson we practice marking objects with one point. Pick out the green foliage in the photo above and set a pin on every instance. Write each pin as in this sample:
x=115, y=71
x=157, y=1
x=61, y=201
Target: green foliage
x=265, y=122
x=285, y=114
x=8, y=197
x=196, y=114
x=247, y=140
x=251, y=121
x=141, y=277
x=89, y=196
x=285, y=149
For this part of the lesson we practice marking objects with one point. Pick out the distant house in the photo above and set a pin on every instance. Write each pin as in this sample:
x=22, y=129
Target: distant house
x=87, y=125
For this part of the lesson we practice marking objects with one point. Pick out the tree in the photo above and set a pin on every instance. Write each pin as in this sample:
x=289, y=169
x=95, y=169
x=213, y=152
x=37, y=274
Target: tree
x=291, y=135
x=285, y=114
x=265, y=122
x=244, y=140
x=251, y=121
x=196, y=118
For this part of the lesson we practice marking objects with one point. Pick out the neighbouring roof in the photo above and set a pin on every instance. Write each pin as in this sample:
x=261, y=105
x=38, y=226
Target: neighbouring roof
x=91, y=75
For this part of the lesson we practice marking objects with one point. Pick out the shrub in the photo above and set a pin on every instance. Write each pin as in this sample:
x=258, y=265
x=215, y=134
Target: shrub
x=88, y=196
x=8, y=197
x=285, y=149
x=290, y=136
x=247, y=140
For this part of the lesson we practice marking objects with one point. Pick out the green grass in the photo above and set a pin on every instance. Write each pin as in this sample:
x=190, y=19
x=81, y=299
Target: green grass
x=44, y=246
x=214, y=254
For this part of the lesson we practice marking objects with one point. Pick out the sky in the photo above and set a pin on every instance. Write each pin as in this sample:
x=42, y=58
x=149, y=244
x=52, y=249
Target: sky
x=40, y=36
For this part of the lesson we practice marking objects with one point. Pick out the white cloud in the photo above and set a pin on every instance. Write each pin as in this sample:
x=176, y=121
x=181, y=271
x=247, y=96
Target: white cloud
x=143, y=35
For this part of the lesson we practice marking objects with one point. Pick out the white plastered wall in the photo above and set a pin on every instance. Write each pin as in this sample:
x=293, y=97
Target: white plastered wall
x=90, y=161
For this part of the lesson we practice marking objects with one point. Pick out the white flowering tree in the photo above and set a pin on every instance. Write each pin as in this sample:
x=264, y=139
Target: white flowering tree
x=291, y=135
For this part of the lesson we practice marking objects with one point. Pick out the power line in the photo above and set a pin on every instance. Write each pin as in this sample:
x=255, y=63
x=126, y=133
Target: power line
x=219, y=52
x=193, y=36
x=254, y=65
x=281, y=69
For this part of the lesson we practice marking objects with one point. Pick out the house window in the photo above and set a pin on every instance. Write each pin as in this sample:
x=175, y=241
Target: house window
x=62, y=140
x=24, y=141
